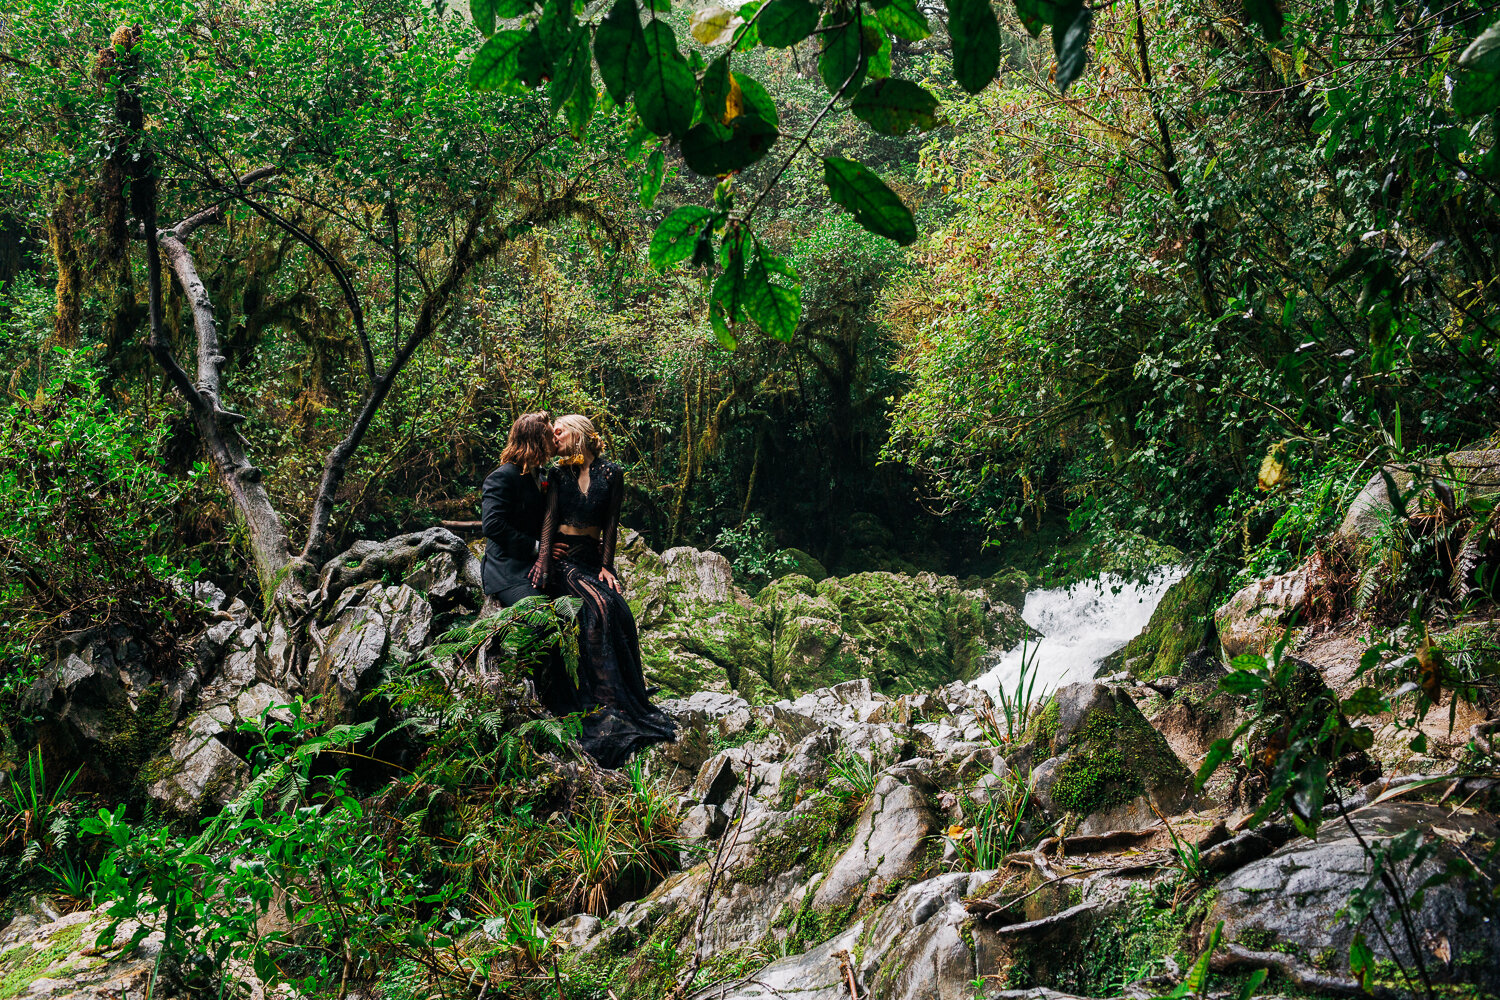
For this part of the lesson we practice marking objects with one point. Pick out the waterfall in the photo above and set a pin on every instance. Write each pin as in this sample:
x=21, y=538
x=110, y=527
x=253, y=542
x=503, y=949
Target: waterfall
x=1080, y=626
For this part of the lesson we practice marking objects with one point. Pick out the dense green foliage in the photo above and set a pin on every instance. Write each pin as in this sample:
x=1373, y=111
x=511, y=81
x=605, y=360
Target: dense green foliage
x=868, y=285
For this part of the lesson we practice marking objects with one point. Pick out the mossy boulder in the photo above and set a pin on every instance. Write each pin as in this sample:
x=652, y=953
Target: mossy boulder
x=1182, y=623
x=795, y=561
x=1097, y=760
x=905, y=633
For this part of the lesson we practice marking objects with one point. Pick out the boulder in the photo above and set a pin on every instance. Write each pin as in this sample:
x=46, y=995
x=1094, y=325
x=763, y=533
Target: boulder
x=372, y=623
x=700, y=576
x=700, y=632
x=1293, y=901
x=891, y=843
x=1095, y=758
x=198, y=775
x=107, y=700
x=1256, y=617
x=799, y=563
x=1468, y=473
x=62, y=960
x=1182, y=623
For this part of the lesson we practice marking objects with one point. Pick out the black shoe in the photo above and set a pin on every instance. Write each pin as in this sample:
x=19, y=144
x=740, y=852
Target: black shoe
x=652, y=690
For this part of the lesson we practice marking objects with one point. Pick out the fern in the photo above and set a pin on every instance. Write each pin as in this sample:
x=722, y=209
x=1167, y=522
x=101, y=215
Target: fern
x=284, y=779
x=1477, y=540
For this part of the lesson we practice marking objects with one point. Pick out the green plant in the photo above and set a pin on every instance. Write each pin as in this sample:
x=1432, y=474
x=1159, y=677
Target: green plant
x=754, y=553
x=1018, y=707
x=76, y=879
x=37, y=818
x=1001, y=824
x=855, y=774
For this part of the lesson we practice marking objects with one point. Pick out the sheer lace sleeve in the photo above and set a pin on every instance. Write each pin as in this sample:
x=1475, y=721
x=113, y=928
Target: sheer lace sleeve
x=543, y=568
x=612, y=518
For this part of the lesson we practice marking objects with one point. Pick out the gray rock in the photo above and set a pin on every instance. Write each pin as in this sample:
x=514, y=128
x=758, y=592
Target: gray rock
x=250, y=704
x=104, y=699
x=716, y=781
x=1291, y=900
x=371, y=623
x=1468, y=473
x=890, y=843
x=702, y=707
x=576, y=931
x=1256, y=616
x=202, y=774
x=1096, y=757
x=703, y=577
x=702, y=822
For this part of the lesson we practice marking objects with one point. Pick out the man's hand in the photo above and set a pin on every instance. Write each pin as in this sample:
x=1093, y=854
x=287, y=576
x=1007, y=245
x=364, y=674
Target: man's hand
x=610, y=580
x=559, y=550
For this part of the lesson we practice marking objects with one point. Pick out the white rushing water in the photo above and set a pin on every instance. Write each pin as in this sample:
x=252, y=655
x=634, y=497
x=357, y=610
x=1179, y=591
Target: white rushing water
x=1080, y=626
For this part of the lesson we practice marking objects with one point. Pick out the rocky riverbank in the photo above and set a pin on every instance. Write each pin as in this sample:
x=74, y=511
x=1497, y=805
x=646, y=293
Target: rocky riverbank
x=855, y=819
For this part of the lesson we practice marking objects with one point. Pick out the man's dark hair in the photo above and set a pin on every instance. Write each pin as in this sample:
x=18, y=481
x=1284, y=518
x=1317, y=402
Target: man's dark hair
x=530, y=442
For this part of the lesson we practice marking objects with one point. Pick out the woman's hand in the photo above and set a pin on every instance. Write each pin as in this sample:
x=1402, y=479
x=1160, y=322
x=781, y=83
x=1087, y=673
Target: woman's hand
x=610, y=580
x=536, y=576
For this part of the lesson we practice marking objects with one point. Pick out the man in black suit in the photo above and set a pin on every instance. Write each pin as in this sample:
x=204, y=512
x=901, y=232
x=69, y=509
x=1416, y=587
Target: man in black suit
x=515, y=503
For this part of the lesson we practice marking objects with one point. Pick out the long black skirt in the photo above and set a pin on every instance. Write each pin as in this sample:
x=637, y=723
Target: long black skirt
x=618, y=717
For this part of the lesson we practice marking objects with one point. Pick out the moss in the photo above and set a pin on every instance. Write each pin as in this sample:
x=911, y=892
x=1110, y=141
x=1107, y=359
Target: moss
x=1042, y=729
x=138, y=737
x=1111, y=759
x=24, y=965
x=1117, y=951
x=1181, y=624
x=808, y=837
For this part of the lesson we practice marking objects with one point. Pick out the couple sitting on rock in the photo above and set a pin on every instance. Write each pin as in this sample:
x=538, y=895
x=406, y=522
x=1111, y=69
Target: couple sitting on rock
x=551, y=531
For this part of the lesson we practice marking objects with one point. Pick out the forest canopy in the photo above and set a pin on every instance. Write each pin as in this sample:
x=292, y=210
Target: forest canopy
x=1151, y=251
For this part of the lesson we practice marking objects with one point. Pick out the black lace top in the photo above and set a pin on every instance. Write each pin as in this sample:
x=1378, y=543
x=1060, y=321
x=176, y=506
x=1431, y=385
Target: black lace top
x=597, y=508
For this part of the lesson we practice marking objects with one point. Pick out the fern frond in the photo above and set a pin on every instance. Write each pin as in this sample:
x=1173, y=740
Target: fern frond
x=287, y=770
x=1475, y=542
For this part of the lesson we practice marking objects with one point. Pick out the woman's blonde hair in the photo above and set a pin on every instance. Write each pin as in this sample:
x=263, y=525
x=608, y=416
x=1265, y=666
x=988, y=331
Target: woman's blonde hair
x=582, y=430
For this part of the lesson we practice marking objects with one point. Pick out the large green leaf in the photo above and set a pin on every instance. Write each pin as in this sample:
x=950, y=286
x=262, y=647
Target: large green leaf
x=1483, y=54
x=726, y=303
x=784, y=23
x=483, y=13
x=875, y=206
x=674, y=239
x=486, y=12
x=533, y=65
x=773, y=295
x=1070, y=41
x=1266, y=14
x=754, y=100
x=666, y=95
x=557, y=26
x=573, y=70
x=976, y=43
x=1476, y=92
x=902, y=18
x=895, y=107
x=713, y=25
x=707, y=151
x=715, y=88
x=620, y=50
x=844, y=59
x=650, y=182
x=1038, y=14
x=494, y=66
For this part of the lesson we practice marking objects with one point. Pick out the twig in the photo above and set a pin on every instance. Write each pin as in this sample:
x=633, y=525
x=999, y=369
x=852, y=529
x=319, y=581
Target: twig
x=848, y=968
x=730, y=838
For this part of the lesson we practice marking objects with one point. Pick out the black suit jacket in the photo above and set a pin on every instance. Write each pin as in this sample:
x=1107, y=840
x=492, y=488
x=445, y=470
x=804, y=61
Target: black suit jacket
x=512, y=516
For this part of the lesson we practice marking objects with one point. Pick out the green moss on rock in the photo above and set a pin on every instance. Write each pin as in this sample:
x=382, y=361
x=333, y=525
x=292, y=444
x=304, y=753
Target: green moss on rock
x=1181, y=623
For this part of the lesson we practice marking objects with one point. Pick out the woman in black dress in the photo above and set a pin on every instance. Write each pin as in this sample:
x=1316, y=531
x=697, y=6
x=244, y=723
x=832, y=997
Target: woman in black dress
x=583, y=510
